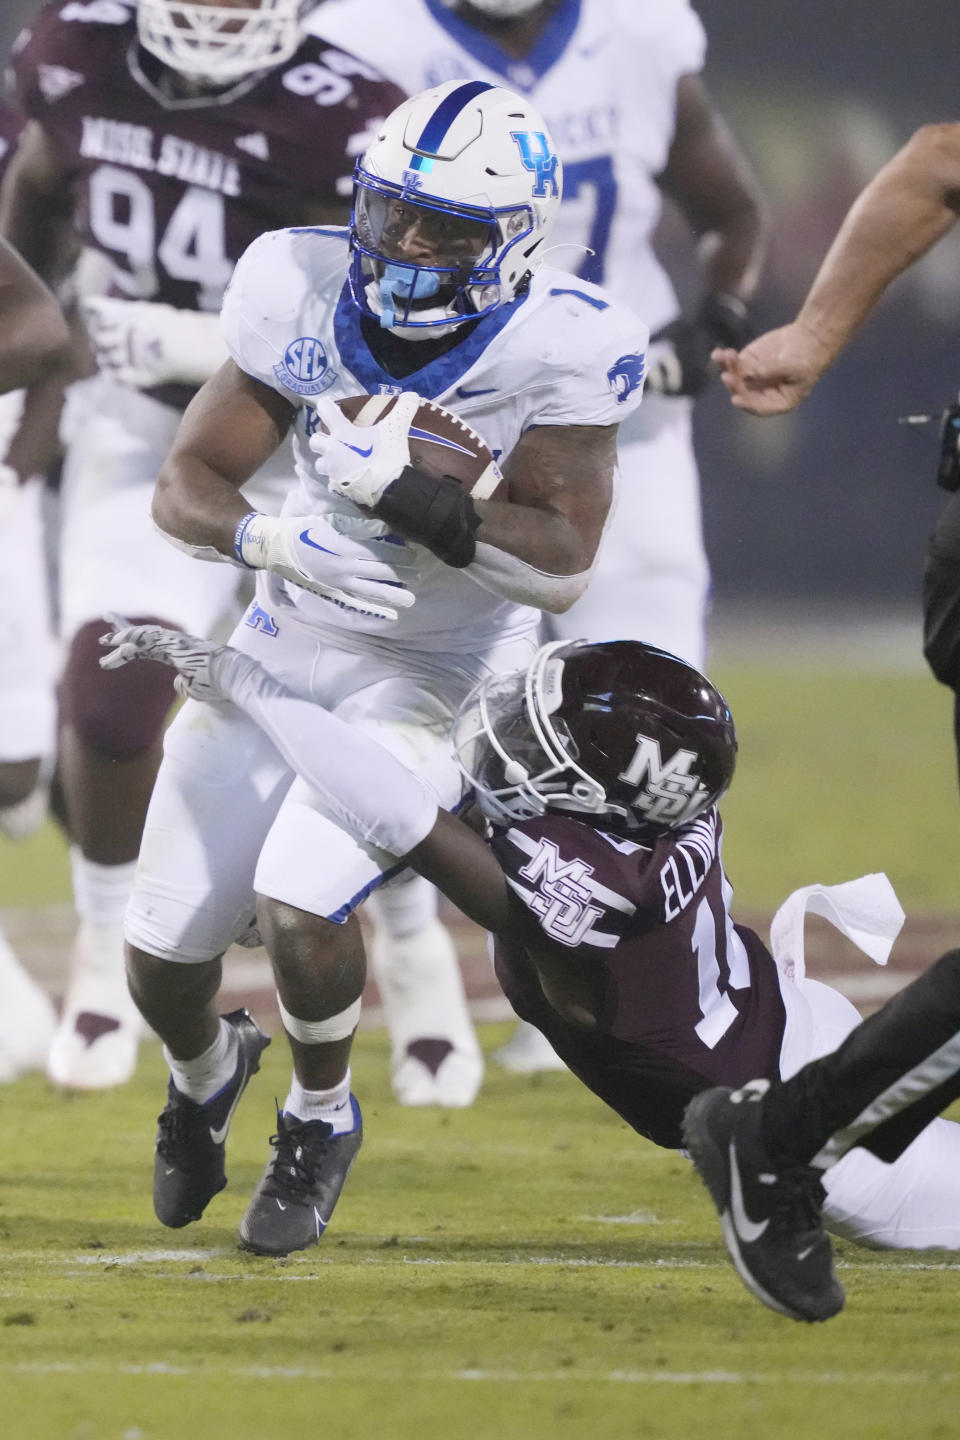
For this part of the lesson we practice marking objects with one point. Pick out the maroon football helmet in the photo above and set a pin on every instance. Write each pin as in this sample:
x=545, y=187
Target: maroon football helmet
x=618, y=731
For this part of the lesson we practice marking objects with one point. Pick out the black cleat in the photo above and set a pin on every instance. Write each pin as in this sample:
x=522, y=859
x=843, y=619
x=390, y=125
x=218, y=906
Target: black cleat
x=188, y=1169
x=772, y=1220
x=293, y=1203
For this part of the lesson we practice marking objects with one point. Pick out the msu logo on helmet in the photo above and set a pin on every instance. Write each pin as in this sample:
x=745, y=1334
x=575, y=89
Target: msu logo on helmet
x=668, y=792
x=619, y=732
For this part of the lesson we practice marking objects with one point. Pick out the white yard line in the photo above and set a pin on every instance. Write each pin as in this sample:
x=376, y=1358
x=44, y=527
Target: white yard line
x=163, y=1369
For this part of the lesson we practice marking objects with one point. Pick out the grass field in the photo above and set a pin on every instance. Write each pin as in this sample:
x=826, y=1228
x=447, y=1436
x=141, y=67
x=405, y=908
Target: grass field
x=524, y=1270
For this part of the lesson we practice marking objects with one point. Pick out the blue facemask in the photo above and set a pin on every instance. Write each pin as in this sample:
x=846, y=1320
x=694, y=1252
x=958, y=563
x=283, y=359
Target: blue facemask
x=396, y=283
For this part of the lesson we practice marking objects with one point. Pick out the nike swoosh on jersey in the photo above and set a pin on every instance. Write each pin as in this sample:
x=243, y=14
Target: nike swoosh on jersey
x=469, y=394
x=748, y=1230
x=305, y=537
x=218, y=1136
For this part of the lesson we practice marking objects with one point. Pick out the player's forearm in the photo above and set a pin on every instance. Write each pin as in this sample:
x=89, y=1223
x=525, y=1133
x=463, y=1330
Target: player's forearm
x=733, y=251
x=903, y=212
x=34, y=337
x=534, y=557
x=196, y=507
x=365, y=789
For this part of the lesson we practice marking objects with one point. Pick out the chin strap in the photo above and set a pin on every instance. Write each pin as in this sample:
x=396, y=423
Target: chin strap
x=395, y=283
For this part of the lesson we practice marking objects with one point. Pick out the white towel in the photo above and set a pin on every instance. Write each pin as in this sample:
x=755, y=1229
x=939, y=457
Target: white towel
x=866, y=910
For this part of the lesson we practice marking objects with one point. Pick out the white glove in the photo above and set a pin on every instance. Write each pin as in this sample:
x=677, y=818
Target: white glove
x=360, y=461
x=144, y=344
x=202, y=667
x=309, y=552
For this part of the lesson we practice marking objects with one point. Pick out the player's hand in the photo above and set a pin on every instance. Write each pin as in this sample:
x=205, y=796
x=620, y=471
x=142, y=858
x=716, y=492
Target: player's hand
x=203, y=668
x=360, y=461
x=775, y=372
x=309, y=552
x=679, y=357
x=143, y=344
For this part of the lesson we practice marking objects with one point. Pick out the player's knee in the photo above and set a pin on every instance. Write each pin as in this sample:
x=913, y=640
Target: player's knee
x=312, y=955
x=118, y=714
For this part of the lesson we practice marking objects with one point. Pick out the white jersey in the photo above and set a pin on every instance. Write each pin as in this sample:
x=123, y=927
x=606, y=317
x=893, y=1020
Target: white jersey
x=604, y=76
x=564, y=353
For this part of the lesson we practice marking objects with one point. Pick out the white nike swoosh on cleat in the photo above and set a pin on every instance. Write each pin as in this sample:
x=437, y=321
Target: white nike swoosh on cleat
x=321, y=1223
x=280, y=1204
x=802, y=1254
x=218, y=1136
x=748, y=1230
x=170, y=1171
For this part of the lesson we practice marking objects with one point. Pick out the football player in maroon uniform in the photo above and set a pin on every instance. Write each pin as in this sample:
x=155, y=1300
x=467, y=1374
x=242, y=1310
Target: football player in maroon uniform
x=598, y=770
x=166, y=136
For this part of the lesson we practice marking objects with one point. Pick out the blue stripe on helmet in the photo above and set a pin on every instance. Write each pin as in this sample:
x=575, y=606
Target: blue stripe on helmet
x=445, y=114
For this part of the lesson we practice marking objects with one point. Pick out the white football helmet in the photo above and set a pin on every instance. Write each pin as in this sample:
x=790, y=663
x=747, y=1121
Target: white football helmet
x=221, y=43
x=452, y=207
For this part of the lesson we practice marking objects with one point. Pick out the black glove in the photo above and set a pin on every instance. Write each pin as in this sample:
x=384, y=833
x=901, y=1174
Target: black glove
x=678, y=360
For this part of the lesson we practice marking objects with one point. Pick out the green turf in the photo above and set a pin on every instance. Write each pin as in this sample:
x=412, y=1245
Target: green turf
x=839, y=774
x=524, y=1270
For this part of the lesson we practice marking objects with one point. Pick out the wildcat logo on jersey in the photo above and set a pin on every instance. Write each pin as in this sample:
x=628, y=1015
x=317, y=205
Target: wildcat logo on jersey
x=626, y=375
x=305, y=368
x=540, y=160
x=666, y=791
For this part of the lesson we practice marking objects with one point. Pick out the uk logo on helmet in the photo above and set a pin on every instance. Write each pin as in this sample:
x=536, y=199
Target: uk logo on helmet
x=541, y=161
x=626, y=375
x=305, y=368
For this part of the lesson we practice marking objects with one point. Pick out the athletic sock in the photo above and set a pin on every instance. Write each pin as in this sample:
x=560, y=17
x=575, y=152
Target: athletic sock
x=203, y=1078
x=100, y=892
x=333, y=1106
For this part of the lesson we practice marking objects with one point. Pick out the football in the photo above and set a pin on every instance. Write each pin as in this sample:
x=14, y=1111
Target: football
x=440, y=442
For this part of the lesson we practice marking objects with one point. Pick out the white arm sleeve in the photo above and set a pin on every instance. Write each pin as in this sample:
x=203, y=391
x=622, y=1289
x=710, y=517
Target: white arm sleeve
x=504, y=574
x=366, y=790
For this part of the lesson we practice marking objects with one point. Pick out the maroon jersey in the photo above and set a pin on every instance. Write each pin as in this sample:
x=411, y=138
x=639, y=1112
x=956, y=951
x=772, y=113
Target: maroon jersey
x=172, y=188
x=687, y=999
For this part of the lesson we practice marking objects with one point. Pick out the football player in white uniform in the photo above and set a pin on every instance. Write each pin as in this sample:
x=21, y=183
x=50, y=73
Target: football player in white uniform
x=33, y=346
x=619, y=85
x=381, y=593
x=165, y=136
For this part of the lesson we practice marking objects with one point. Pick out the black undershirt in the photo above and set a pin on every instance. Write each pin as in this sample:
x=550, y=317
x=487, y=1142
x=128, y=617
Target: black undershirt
x=400, y=357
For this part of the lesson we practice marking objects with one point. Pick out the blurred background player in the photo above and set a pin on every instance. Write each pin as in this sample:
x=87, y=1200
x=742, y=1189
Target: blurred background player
x=163, y=141
x=618, y=82
x=27, y=704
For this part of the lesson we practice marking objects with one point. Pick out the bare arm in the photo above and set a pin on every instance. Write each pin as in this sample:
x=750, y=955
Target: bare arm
x=34, y=337
x=231, y=426
x=36, y=208
x=560, y=484
x=908, y=206
x=709, y=178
